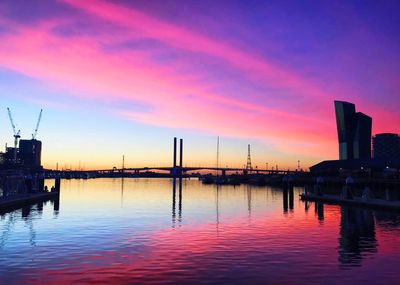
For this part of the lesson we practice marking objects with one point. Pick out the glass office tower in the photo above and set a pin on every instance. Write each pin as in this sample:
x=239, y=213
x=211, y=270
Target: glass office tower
x=354, y=132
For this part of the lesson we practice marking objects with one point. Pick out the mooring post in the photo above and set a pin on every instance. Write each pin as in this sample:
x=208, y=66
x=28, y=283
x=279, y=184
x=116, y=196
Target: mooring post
x=57, y=183
x=41, y=182
x=291, y=196
x=285, y=193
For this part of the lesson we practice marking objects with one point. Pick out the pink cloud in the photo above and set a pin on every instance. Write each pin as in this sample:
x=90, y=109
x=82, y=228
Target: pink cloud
x=80, y=66
x=258, y=68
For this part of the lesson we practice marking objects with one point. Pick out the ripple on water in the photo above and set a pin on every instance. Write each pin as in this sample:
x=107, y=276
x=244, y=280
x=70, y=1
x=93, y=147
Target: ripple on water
x=136, y=233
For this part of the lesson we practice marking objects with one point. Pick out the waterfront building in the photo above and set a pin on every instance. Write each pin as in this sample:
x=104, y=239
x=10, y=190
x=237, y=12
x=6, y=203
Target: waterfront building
x=354, y=132
x=30, y=153
x=386, y=145
x=28, y=156
x=362, y=136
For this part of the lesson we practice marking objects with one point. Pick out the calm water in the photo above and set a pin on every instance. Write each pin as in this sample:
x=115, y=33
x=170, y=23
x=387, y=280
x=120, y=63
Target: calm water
x=132, y=232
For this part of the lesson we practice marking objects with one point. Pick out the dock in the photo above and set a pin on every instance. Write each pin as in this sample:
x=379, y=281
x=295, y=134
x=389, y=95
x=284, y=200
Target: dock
x=19, y=201
x=356, y=201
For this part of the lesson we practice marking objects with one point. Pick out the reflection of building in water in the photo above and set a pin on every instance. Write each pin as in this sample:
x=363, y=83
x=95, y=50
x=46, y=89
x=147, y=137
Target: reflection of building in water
x=29, y=213
x=357, y=235
x=387, y=220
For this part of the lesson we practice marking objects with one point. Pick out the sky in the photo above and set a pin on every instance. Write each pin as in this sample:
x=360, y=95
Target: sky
x=124, y=77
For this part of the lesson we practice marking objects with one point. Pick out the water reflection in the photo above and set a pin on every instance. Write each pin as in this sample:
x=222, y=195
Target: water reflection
x=357, y=235
x=56, y=206
x=217, y=188
x=319, y=210
x=98, y=241
x=28, y=214
x=174, y=201
x=9, y=224
x=248, y=192
x=122, y=190
x=306, y=206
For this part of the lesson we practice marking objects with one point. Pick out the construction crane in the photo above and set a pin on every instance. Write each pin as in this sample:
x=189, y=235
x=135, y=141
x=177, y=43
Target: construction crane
x=17, y=134
x=37, y=125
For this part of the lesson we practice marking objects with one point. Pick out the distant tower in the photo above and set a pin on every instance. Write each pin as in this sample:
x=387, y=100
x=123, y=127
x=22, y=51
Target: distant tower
x=248, y=166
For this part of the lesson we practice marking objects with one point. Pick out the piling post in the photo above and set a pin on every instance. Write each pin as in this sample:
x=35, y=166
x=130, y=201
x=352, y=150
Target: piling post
x=291, y=196
x=285, y=193
x=57, y=183
x=285, y=199
x=41, y=177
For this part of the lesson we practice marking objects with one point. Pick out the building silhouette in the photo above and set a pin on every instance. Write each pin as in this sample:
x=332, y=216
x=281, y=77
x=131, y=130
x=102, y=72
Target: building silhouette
x=30, y=153
x=386, y=145
x=354, y=132
x=28, y=156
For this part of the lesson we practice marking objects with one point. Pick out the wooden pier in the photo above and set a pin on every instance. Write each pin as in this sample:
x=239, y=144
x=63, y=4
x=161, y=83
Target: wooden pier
x=356, y=201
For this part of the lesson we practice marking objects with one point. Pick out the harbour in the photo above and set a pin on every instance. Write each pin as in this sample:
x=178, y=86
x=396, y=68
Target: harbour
x=199, y=142
x=115, y=230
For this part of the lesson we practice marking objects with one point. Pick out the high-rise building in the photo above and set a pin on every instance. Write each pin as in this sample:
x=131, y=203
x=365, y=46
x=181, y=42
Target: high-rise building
x=345, y=126
x=354, y=132
x=30, y=152
x=386, y=145
x=362, y=136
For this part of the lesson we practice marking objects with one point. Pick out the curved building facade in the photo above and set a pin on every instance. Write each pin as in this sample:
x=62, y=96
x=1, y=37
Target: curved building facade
x=354, y=132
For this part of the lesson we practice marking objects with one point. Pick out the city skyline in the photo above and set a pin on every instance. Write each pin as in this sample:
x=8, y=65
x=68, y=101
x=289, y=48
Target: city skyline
x=122, y=78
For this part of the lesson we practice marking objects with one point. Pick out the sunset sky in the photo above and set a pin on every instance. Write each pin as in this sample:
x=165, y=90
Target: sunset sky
x=125, y=77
